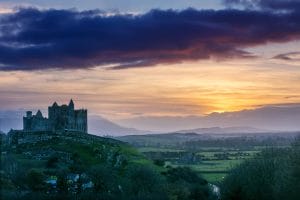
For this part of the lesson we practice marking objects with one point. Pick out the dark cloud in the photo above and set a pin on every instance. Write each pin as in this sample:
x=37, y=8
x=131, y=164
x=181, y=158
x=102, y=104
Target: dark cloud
x=32, y=39
x=290, y=56
x=278, y=5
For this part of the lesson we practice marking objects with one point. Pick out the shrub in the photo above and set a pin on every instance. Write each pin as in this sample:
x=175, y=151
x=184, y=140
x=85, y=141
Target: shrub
x=274, y=174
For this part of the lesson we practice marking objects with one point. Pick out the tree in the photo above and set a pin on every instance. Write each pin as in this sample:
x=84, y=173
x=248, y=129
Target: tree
x=104, y=178
x=52, y=162
x=77, y=166
x=274, y=174
x=159, y=162
x=62, y=183
x=186, y=184
x=35, y=180
x=144, y=183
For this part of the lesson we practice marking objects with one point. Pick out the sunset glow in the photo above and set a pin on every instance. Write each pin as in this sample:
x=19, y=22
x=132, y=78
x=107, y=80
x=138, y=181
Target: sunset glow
x=192, y=88
x=197, y=69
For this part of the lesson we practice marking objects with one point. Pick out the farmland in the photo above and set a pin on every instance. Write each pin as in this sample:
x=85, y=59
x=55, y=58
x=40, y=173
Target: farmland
x=212, y=164
x=211, y=157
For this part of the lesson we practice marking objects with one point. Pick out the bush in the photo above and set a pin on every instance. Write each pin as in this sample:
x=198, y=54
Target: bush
x=185, y=184
x=35, y=180
x=51, y=162
x=144, y=183
x=159, y=162
x=275, y=174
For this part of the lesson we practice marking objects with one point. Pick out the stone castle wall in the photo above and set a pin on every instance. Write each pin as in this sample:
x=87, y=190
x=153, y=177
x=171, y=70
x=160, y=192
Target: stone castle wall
x=60, y=118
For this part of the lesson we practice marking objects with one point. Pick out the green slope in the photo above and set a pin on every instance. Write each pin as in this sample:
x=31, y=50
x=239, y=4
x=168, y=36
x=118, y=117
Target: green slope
x=85, y=166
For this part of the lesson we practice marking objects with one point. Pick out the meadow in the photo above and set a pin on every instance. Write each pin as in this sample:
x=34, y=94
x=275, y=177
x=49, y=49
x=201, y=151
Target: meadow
x=211, y=156
x=214, y=165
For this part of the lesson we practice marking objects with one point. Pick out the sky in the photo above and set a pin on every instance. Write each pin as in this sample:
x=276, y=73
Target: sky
x=125, y=59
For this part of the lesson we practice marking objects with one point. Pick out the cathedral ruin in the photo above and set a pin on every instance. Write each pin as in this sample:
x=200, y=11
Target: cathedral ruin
x=60, y=118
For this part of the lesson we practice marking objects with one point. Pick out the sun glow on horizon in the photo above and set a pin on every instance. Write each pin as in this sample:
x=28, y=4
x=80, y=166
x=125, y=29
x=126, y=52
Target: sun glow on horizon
x=190, y=88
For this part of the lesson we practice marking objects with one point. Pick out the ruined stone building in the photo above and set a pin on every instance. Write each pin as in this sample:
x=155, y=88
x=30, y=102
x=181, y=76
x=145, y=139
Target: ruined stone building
x=60, y=118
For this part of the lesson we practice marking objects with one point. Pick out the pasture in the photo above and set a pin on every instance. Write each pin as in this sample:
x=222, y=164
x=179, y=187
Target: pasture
x=211, y=163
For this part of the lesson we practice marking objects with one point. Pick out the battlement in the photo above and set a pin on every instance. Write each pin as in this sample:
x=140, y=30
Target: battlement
x=60, y=118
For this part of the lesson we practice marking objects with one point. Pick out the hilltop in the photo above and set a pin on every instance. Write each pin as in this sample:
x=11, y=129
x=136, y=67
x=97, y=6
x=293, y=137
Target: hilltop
x=56, y=157
x=69, y=165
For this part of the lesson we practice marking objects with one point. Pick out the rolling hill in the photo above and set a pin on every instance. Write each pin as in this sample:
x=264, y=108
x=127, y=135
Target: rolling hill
x=70, y=165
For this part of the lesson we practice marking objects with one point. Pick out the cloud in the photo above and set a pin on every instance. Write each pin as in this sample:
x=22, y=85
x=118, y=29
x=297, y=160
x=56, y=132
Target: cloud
x=279, y=5
x=33, y=39
x=290, y=56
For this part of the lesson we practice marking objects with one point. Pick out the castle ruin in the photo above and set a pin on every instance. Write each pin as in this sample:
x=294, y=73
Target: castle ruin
x=60, y=118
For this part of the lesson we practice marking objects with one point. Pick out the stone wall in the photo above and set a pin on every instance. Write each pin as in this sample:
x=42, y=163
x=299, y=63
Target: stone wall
x=60, y=118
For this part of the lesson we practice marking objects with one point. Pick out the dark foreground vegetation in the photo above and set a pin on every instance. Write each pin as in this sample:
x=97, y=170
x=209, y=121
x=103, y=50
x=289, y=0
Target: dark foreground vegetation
x=89, y=167
x=273, y=174
x=86, y=167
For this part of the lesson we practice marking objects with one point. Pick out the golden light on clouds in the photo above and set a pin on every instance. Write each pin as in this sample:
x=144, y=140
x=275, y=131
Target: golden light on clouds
x=184, y=89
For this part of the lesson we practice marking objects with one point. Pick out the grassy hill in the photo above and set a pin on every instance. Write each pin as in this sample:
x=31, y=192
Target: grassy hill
x=89, y=148
x=83, y=166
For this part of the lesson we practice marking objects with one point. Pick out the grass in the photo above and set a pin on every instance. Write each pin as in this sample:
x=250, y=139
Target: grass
x=211, y=168
x=95, y=151
x=153, y=149
x=214, y=171
x=216, y=165
x=213, y=177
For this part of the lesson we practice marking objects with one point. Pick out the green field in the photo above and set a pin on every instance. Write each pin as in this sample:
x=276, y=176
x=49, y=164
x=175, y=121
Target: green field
x=153, y=149
x=214, y=171
x=211, y=168
x=213, y=156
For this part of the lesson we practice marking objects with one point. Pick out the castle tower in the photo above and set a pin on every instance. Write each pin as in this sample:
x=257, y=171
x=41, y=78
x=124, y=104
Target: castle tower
x=29, y=114
x=35, y=122
x=60, y=118
x=39, y=114
x=71, y=116
x=71, y=105
x=81, y=120
x=27, y=121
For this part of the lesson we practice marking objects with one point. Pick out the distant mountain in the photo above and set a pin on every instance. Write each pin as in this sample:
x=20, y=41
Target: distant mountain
x=229, y=130
x=100, y=126
x=96, y=124
x=170, y=140
x=11, y=120
x=277, y=118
